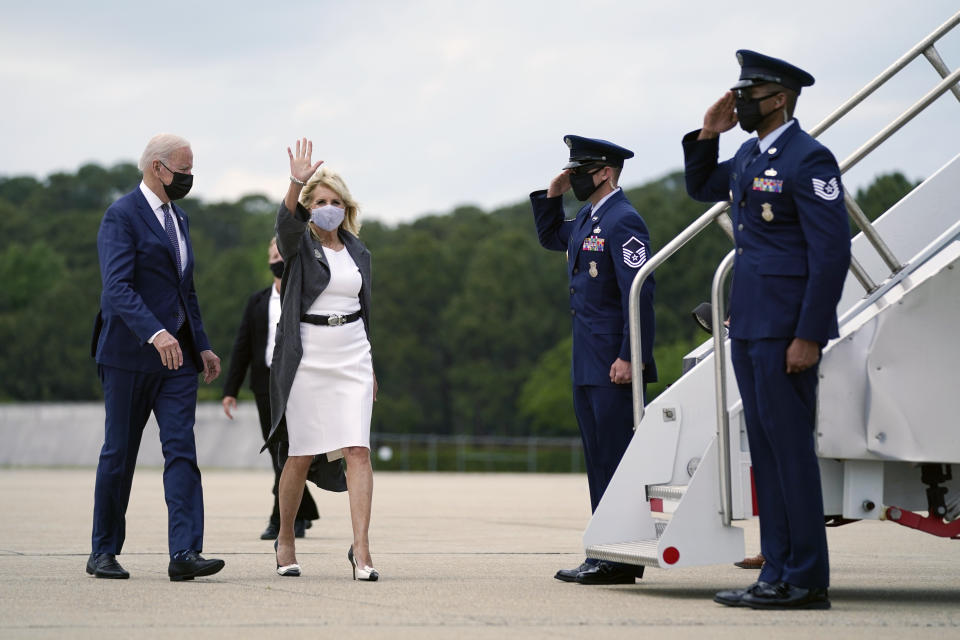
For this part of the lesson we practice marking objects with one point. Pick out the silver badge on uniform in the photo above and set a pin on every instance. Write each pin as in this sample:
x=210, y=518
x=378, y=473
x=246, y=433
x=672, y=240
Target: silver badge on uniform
x=770, y=172
x=767, y=211
x=597, y=230
x=593, y=269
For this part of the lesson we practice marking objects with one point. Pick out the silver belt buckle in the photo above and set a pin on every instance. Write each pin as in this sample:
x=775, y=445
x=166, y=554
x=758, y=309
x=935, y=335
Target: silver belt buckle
x=335, y=320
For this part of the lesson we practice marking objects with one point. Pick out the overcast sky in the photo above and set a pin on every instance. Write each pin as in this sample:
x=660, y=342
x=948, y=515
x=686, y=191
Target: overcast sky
x=423, y=105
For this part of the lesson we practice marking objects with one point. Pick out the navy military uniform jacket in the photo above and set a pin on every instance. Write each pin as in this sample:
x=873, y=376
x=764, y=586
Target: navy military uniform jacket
x=604, y=252
x=790, y=228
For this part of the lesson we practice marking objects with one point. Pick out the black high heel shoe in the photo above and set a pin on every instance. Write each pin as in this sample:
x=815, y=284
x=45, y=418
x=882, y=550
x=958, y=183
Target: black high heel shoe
x=361, y=573
x=288, y=570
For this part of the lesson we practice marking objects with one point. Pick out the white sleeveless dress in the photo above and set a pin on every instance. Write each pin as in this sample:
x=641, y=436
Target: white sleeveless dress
x=332, y=394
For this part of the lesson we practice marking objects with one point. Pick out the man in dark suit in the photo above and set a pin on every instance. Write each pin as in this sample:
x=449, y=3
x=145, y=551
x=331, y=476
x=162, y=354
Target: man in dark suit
x=606, y=244
x=253, y=349
x=149, y=345
x=793, y=252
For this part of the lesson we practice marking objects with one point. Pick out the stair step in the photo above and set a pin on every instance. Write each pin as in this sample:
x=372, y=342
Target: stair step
x=661, y=526
x=639, y=552
x=666, y=492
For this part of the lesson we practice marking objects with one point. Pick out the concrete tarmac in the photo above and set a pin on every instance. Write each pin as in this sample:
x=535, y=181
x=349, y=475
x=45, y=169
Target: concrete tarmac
x=461, y=555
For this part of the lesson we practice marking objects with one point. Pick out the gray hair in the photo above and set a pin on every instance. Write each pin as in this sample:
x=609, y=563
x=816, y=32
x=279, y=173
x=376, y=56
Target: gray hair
x=160, y=147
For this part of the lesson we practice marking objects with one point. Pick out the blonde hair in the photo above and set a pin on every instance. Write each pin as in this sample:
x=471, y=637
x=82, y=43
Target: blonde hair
x=330, y=179
x=160, y=147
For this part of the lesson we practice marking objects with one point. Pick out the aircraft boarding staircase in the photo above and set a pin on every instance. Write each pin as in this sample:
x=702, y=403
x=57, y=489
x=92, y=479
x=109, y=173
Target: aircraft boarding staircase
x=887, y=402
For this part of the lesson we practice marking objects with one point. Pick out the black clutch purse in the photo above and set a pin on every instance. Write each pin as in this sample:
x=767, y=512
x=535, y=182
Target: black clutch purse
x=327, y=474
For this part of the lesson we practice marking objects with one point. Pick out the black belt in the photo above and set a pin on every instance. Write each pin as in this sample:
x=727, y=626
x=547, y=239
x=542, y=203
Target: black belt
x=334, y=320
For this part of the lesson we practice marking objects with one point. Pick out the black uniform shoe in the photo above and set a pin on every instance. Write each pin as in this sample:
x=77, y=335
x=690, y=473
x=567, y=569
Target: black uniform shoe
x=299, y=528
x=787, y=596
x=105, y=565
x=734, y=597
x=193, y=565
x=271, y=532
x=607, y=573
x=570, y=575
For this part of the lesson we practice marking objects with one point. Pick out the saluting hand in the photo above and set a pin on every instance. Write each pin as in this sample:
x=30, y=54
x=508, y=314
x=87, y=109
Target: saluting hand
x=301, y=166
x=559, y=185
x=720, y=117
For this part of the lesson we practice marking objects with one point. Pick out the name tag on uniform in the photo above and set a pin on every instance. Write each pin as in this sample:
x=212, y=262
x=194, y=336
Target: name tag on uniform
x=593, y=243
x=768, y=184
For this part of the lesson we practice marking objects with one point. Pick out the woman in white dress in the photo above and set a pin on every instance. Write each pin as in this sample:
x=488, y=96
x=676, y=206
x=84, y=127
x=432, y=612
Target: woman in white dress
x=321, y=377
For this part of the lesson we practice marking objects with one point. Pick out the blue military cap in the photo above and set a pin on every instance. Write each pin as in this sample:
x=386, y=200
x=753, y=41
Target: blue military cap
x=587, y=151
x=756, y=68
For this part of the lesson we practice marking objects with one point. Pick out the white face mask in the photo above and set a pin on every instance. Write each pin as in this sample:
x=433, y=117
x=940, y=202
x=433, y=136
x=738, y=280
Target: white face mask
x=327, y=217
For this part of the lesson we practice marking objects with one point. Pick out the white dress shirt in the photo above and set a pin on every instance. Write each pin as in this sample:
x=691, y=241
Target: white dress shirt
x=767, y=141
x=602, y=200
x=273, y=317
x=155, y=204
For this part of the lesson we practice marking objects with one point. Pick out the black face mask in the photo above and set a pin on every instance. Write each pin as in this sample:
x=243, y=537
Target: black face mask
x=583, y=186
x=276, y=268
x=748, y=111
x=179, y=187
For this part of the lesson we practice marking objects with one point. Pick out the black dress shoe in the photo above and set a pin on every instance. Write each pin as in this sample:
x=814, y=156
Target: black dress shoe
x=299, y=528
x=734, y=597
x=570, y=575
x=787, y=596
x=105, y=565
x=193, y=566
x=606, y=573
x=271, y=532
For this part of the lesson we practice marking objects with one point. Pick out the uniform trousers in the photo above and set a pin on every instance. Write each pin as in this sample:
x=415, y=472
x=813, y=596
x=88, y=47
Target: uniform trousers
x=780, y=413
x=308, y=508
x=605, y=416
x=129, y=397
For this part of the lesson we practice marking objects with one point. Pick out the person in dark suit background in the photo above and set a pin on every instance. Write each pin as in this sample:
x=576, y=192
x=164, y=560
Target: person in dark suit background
x=793, y=252
x=149, y=344
x=606, y=244
x=253, y=349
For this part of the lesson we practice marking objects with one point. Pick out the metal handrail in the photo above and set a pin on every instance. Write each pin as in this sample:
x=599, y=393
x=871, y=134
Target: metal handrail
x=720, y=371
x=636, y=351
x=692, y=230
x=888, y=73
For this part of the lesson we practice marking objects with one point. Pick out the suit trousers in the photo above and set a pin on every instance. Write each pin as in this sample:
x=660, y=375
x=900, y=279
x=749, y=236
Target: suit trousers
x=308, y=508
x=605, y=416
x=780, y=413
x=129, y=397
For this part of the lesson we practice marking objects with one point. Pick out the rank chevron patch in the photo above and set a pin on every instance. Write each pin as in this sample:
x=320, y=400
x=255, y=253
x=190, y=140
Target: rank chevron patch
x=828, y=190
x=634, y=253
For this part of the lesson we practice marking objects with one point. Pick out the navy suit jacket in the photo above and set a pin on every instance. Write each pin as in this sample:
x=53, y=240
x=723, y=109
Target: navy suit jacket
x=790, y=228
x=141, y=287
x=604, y=253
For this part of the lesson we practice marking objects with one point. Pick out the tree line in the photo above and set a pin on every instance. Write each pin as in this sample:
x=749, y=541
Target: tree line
x=470, y=322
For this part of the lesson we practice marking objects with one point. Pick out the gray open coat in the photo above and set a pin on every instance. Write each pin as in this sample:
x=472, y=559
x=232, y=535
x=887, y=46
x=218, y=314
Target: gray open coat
x=306, y=274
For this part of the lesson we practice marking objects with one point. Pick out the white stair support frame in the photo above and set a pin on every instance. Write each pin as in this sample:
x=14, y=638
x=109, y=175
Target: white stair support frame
x=696, y=520
x=862, y=489
x=662, y=451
